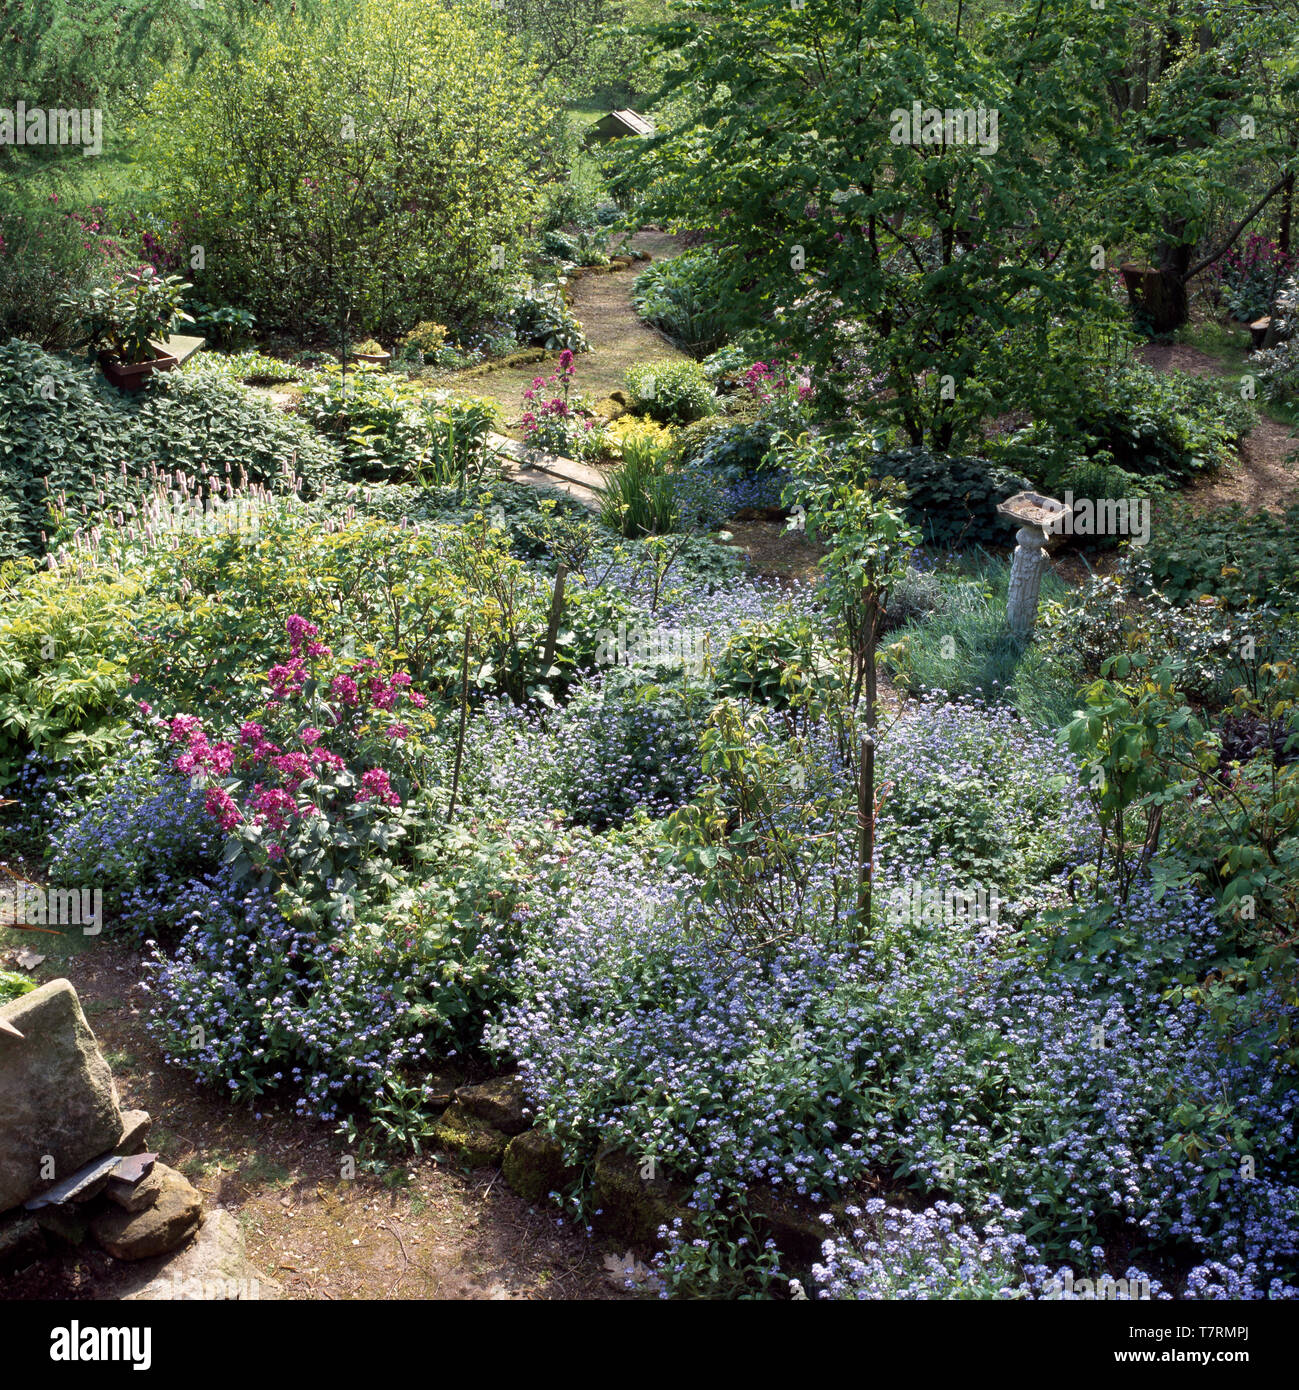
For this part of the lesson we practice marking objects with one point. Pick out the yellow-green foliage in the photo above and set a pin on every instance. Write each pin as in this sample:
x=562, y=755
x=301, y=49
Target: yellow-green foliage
x=426, y=336
x=368, y=164
x=59, y=685
x=635, y=439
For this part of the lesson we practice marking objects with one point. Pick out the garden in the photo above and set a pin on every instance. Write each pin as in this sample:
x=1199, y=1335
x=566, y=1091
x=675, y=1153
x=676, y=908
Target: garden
x=523, y=635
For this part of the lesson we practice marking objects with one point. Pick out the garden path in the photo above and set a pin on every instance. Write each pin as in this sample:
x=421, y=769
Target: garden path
x=427, y=1231
x=1267, y=477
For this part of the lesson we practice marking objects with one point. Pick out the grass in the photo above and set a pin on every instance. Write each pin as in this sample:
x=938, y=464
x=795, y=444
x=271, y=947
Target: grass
x=964, y=647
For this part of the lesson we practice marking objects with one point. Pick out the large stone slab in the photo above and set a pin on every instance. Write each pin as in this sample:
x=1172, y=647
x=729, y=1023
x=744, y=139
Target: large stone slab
x=58, y=1105
x=214, y=1266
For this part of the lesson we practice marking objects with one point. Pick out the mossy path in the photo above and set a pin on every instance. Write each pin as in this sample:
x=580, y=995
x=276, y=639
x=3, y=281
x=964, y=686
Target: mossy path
x=618, y=339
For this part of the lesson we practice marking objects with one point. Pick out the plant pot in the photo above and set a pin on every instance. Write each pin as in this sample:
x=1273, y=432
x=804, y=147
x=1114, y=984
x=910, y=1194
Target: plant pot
x=131, y=376
x=378, y=359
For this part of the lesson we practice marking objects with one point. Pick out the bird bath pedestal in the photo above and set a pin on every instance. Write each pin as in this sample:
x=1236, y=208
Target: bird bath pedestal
x=1038, y=518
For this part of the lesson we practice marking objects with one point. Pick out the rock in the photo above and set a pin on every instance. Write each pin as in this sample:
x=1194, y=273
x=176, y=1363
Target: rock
x=65, y=1223
x=498, y=1103
x=534, y=1166
x=82, y=1186
x=57, y=1098
x=175, y=1215
x=21, y=1240
x=137, y=1196
x=212, y=1267
x=792, y=1221
x=468, y=1138
x=136, y=1125
x=634, y=1206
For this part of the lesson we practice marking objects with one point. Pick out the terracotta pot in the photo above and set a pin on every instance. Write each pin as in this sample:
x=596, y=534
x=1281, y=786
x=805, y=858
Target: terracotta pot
x=131, y=376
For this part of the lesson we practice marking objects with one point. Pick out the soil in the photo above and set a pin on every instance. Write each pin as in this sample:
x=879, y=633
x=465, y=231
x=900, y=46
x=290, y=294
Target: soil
x=1267, y=476
x=422, y=1231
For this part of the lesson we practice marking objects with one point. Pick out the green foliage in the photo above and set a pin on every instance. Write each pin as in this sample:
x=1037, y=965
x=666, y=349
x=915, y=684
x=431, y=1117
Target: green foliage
x=1160, y=426
x=70, y=443
x=782, y=663
x=1235, y=555
x=737, y=448
x=681, y=296
x=541, y=315
x=890, y=266
x=223, y=326
x=355, y=171
x=46, y=261
x=951, y=500
x=122, y=317
x=640, y=495
x=388, y=429
x=864, y=527
x=61, y=683
x=674, y=391
x=14, y=986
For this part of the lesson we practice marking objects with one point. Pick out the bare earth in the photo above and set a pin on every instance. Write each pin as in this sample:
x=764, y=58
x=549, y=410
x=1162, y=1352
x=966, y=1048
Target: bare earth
x=1266, y=478
x=426, y=1232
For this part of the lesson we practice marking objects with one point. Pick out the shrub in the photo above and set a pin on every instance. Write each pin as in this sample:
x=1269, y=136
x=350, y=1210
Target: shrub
x=61, y=684
x=951, y=499
x=45, y=262
x=225, y=326
x=358, y=172
x=1248, y=276
x=736, y=448
x=1279, y=365
x=674, y=391
x=423, y=344
x=680, y=296
x=540, y=315
x=69, y=439
x=388, y=430
x=1162, y=426
x=123, y=317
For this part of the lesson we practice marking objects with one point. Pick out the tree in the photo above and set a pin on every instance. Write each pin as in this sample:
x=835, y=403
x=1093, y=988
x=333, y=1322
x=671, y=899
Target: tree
x=926, y=254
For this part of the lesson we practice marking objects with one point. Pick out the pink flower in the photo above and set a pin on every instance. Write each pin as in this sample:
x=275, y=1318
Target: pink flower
x=374, y=784
x=344, y=688
x=298, y=628
x=217, y=802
